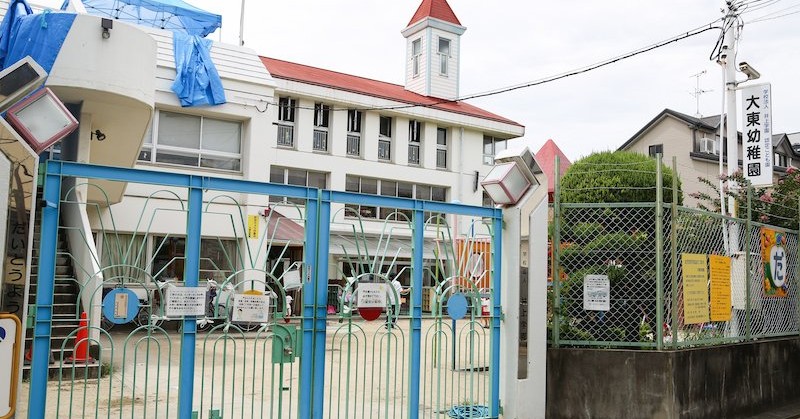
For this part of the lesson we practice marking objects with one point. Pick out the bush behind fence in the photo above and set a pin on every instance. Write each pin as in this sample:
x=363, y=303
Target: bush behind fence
x=640, y=248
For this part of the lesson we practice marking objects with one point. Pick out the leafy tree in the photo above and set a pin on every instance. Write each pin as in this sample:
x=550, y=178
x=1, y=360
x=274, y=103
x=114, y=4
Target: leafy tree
x=618, y=176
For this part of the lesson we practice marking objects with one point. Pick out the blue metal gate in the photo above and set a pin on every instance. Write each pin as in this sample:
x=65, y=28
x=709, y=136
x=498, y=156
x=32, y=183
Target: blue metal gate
x=436, y=354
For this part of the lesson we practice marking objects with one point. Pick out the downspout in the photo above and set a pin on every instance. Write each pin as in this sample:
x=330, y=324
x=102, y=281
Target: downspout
x=460, y=168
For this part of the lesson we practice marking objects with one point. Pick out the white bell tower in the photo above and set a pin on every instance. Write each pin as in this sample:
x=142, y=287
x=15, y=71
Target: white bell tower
x=433, y=46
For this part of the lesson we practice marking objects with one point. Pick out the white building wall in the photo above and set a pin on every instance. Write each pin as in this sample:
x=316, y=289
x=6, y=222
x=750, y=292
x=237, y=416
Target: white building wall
x=418, y=83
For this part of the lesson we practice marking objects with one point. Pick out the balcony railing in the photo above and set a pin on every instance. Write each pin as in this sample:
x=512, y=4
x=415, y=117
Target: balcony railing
x=285, y=136
x=384, y=150
x=413, y=154
x=441, y=159
x=320, y=140
x=353, y=145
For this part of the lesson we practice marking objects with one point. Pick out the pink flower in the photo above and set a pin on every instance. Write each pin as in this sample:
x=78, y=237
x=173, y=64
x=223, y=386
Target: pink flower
x=791, y=169
x=767, y=197
x=763, y=218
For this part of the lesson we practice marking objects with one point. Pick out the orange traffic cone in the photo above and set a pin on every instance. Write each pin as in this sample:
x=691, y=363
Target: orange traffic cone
x=80, y=354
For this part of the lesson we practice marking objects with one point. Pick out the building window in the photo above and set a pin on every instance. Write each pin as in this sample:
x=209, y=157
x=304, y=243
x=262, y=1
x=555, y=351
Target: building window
x=385, y=138
x=217, y=258
x=441, y=148
x=196, y=141
x=780, y=160
x=444, y=55
x=390, y=188
x=354, y=132
x=655, y=149
x=416, y=56
x=708, y=145
x=321, y=125
x=486, y=200
x=414, y=141
x=286, y=108
x=299, y=177
x=492, y=146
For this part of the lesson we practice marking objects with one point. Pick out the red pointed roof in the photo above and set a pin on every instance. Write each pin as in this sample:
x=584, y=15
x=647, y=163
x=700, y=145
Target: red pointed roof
x=546, y=159
x=326, y=78
x=438, y=9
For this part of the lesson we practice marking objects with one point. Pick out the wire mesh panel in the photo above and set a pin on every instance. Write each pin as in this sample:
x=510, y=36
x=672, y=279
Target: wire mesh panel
x=615, y=244
x=403, y=354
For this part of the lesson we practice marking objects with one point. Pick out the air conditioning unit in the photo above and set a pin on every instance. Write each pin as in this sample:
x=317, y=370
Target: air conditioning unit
x=708, y=146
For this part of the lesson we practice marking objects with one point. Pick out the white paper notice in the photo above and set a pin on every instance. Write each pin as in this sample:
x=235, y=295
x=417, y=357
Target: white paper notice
x=371, y=295
x=186, y=301
x=250, y=308
x=596, y=293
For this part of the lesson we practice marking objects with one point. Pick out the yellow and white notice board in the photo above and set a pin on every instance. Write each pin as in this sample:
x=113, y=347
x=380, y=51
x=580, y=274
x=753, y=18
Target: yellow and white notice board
x=10, y=340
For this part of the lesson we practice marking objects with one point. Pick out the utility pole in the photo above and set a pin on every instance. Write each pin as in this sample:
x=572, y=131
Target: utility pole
x=728, y=59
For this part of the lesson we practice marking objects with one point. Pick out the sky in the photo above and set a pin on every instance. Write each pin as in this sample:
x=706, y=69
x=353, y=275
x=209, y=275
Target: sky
x=510, y=42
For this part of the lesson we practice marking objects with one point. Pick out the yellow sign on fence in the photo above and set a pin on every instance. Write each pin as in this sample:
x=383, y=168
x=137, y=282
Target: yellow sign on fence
x=695, y=288
x=720, y=269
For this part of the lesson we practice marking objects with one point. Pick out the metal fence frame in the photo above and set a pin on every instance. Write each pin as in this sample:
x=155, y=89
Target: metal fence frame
x=669, y=221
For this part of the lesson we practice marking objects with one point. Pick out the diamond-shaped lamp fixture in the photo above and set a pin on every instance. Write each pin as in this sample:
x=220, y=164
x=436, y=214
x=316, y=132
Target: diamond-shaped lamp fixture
x=506, y=183
x=41, y=119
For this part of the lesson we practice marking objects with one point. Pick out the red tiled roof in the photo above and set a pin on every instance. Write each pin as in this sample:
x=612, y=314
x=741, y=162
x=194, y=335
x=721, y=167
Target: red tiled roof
x=326, y=78
x=546, y=159
x=438, y=9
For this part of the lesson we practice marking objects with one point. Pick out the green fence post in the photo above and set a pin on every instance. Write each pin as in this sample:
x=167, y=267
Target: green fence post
x=674, y=252
x=556, y=251
x=659, y=326
x=747, y=277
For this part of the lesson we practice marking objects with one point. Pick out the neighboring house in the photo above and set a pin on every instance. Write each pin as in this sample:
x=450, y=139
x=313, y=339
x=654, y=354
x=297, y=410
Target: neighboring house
x=284, y=123
x=695, y=144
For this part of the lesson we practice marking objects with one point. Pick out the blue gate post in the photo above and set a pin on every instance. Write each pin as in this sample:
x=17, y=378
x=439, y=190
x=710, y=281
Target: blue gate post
x=497, y=258
x=321, y=300
x=416, y=310
x=44, y=292
x=309, y=297
x=191, y=277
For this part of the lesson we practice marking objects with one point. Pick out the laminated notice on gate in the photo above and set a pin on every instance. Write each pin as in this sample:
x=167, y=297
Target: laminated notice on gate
x=250, y=308
x=371, y=295
x=185, y=301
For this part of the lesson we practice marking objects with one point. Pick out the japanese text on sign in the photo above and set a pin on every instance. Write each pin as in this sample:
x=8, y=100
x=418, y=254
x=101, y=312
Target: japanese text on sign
x=695, y=288
x=250, y=308
x=757, y=133
x=596, y=293
x=371, y=295
x=720, y=269
x=185, y=301
x=252, y=226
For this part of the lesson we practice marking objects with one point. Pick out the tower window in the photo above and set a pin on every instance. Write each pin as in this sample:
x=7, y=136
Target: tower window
x=416, y=55
x=444, y=55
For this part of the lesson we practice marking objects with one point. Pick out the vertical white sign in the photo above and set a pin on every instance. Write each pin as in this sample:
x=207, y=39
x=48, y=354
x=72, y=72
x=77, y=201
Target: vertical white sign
x=757, y=134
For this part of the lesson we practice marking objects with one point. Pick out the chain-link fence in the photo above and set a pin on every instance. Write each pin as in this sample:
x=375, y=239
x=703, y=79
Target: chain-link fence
x=660, y=275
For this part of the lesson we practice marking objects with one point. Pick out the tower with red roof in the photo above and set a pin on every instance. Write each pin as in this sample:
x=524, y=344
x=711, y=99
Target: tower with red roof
x=433, y=45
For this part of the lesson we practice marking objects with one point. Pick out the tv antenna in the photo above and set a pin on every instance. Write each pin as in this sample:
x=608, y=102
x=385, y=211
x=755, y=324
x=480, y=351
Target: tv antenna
x=697, y=92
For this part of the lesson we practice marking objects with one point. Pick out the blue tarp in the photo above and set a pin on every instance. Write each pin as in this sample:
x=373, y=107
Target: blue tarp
x=197, y=81
x=174, y=15
x=38, y=35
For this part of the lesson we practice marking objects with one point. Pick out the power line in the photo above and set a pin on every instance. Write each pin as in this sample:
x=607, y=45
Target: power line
x=684, y=35
x=762, y=19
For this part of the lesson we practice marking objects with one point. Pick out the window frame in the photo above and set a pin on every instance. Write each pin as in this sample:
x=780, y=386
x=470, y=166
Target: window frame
x=416, y=55
x=153, y=146
x=385, y=137
x=444, y=58
x=285, y=171
x=322, y=122
x=654, y=149
x=382, y=213
x=488, y=159
x=415, y=140
x=442, y=147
